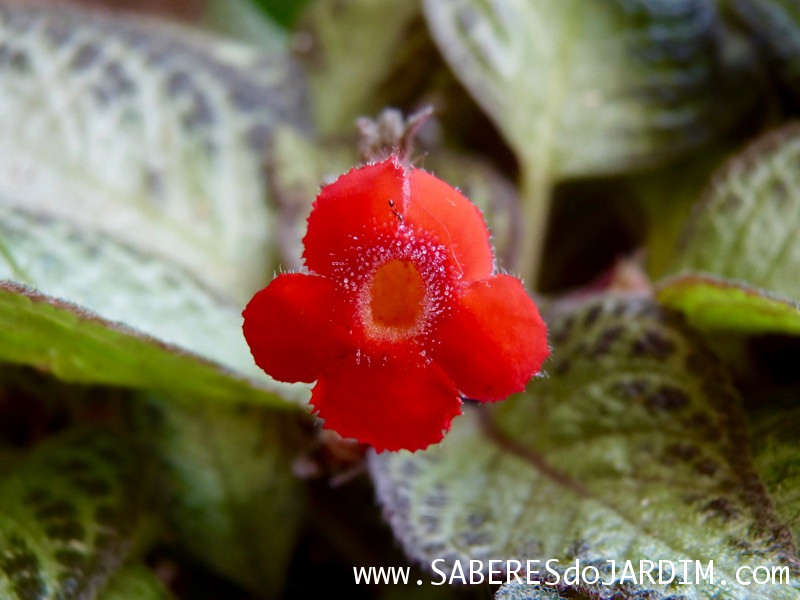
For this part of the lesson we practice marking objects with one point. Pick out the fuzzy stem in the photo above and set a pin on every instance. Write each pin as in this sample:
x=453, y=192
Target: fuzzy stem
x=535, y=195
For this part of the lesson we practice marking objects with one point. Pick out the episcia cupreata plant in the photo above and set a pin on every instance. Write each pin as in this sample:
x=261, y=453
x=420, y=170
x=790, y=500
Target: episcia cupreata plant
x=155, y=176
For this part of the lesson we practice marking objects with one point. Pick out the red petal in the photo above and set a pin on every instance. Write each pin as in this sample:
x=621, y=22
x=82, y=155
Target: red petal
x=297, y=326
x=494, y=341
x=356, y=204
x=454, y=221
x=357, y=208
x=390, y=406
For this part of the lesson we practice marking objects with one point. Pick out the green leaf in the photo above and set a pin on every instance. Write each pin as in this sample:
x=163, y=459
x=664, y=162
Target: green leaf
x=745, y=226
x=283, y=11
x=351, y=48
x=77, y=345
x=133, y=187
x=143, y=295
x=777, y=458
x=122, y=284
x=245, y=22
x=736, y=266
x=632, y=448
x=714, y=303
x=776, y=26
x=134, y=582
x=149, y=134
x=589, y=86
x=70, y=515
x=667, y=194
x=235, y=502
x=586, y=87
x=517, y=591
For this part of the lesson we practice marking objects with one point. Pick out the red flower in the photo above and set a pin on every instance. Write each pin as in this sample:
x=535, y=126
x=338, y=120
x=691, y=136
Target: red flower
x=399, y=311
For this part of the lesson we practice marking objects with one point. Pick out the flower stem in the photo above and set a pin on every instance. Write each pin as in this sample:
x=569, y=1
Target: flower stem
x=535, y=195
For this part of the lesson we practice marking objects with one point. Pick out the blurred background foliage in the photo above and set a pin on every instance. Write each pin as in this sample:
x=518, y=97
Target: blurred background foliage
x=638, y=164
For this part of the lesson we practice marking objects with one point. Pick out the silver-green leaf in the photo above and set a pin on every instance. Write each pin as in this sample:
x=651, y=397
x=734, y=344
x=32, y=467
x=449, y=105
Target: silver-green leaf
x=777, y=457
x=133, y=183
x=521, y=591
x=736, y=267
x=77, y=345
x=234, y=499
x=633, y=448
x=587, y=86
x=71, y=513
x=148, y=133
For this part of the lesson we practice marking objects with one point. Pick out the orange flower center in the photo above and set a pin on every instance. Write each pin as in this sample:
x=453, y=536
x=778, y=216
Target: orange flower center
x=397, y=296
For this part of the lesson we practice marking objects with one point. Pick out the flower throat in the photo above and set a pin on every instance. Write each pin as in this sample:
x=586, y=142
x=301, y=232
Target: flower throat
x=397, y=295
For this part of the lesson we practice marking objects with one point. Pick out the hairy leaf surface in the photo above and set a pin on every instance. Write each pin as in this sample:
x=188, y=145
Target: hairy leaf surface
x=736, y=268
x=632, y=448
x=777, y=458
x=70, y=515
x=588, y=86
x=155, y=137
x=137, y=191
x=77, y=345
